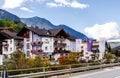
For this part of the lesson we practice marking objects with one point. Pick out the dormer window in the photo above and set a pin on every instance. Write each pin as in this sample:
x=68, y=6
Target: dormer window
x=46, y=41
x=48, y=33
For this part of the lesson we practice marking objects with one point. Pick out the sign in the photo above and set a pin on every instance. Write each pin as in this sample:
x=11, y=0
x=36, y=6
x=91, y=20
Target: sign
x=89, y=44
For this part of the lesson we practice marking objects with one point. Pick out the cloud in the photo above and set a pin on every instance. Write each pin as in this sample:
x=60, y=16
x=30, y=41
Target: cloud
x=26, y=9
x=75, y=4
x=11, y=4
x=108, y=30
x=67, y=3
x=36, y=0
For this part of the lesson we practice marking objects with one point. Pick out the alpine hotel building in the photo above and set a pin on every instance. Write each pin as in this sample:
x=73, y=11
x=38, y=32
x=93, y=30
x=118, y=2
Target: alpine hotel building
x=51, y=43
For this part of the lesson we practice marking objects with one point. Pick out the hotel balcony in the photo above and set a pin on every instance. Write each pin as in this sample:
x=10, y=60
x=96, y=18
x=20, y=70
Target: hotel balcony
x=60, y=44
x=37, y=51
x=37, y=43
x=5, y=44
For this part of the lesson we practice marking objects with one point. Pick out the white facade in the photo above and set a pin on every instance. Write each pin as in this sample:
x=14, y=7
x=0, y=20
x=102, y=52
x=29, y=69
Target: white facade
x=86, y=54
x=78, y=45
x=47, y=46
x=72, y=46
x=38, y=43
x=11, y=45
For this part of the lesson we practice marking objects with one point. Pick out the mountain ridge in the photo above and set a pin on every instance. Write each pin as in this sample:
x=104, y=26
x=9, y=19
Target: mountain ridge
x=5, y=15
x=48, y=25
x=39, y=22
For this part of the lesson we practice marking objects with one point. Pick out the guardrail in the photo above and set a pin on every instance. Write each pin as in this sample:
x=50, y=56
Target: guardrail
x=44, y=71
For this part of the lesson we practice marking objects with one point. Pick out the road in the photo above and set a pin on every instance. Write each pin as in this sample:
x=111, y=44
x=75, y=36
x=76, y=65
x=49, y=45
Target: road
x=113, y=72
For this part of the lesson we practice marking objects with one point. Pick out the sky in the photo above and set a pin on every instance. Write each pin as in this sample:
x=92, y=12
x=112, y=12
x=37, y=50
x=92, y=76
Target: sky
x=94, y=18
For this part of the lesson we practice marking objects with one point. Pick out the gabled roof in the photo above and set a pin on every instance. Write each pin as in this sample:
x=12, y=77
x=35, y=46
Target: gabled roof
x=44, y=32
x=11, y=35
x=56, y=31
x=41, y=32
x=7, y=28
x=3, y=36
x=1, y=28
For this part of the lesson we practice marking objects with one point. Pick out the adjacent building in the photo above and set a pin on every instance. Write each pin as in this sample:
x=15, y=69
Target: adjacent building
x=12, y=42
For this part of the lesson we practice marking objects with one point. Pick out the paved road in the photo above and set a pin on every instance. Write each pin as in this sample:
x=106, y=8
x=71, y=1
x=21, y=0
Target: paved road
x=112, y=72
x=105, y=73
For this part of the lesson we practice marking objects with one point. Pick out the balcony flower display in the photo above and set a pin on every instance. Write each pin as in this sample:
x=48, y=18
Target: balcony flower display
x=35, y=51
x=39, y=42
x=40, y=50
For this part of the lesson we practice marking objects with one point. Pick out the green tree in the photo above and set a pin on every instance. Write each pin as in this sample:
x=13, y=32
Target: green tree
x=30, y=62
x=110, y=57
x=72, y=58
x=38, y=61
x=19, y=58
x=17, y=26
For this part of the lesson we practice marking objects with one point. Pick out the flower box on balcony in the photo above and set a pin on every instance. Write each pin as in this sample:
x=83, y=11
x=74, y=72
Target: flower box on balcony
x=40, y=43
x=40, y=50
x=33, y=51
x=36, y=51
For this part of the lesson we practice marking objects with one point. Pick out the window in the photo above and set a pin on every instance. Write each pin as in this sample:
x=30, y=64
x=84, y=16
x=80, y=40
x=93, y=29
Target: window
x=46, y=48
x=28, y=39
x=61, y=54
x=37, y=47
x=37, y=40
x=28, y=53
x=48, y=33
x=86, y=52
x=50, y=39
x=46, y=41
x=28, y=45
x=50, y=47
x=10, y=49
x=6, y=48
x=11, y=41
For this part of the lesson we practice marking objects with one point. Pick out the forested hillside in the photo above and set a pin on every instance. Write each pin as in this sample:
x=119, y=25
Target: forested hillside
x=15, y=25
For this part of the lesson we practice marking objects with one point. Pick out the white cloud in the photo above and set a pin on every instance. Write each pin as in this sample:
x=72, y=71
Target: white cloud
x=36, y=0
x=26, y=9
x=108, y=30
x=67, y=3
x=78, y=5
x=53, y=4
x=11, y=4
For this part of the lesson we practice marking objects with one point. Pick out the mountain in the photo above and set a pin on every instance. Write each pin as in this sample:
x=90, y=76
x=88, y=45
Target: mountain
x=4, y=15
x=40, y=22
x=73, y=32
x=43, y=23
x=37, y=21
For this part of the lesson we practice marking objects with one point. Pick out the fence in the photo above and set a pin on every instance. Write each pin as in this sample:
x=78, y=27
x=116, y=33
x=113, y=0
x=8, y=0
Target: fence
x=53, y=70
